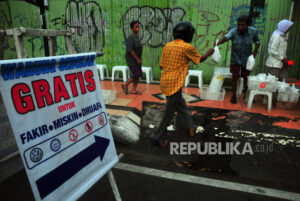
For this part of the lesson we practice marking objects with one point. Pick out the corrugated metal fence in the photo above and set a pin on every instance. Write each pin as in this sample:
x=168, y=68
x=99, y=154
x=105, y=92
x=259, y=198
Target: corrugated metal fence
x=104, y=25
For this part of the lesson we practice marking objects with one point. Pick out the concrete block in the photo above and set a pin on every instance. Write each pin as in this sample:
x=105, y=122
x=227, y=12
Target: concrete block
x=109, y=96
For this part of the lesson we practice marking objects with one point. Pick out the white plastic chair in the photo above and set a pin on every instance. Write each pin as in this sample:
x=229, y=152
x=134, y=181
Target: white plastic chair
x=252, y=93
x=148, y=72
x=197, y=73
x=123, y=69
x=101, y=68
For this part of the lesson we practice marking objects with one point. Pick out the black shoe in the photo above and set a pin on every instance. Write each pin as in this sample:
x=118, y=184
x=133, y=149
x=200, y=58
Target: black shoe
x=233, y=100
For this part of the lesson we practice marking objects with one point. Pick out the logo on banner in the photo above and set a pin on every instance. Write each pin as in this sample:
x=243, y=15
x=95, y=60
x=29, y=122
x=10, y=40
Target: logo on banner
x=101, y=120
x=36, y=155
x=73, y=135
x=55, y=145
x=88, y=126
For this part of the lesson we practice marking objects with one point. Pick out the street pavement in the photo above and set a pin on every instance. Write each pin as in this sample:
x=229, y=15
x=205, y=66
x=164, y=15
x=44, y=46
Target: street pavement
x=148, y=172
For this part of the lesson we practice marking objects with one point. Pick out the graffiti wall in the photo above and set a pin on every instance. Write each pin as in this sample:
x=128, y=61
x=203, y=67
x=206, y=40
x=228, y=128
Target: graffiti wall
x=86, y=19
x=103, y=25
x=156, y=24
x=23, y=14
x=7, y=44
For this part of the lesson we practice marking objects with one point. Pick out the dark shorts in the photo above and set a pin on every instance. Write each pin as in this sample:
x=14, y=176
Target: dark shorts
x=236, y=69
x=136, y=72
x=280, y=73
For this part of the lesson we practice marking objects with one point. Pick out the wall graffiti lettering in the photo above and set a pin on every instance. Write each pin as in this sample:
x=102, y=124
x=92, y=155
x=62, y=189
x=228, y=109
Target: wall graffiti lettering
x=5, y=22
x=36, y=42
x=86, y=19
x=156, y=23
x=57, y=21
x=205, y=20
x=60, y=47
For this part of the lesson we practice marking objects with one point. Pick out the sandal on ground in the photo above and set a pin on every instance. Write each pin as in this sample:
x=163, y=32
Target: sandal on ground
x=137, y=93
x=124, y=89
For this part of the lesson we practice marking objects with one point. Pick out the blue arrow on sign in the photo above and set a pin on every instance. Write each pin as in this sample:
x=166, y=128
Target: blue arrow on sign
x=52, y=180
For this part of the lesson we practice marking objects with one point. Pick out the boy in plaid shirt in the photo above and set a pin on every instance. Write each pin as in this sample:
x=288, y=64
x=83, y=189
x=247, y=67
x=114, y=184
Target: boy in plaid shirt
x=174, y=64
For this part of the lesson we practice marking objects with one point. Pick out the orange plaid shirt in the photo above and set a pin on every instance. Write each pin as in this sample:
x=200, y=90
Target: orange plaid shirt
x=175, y=60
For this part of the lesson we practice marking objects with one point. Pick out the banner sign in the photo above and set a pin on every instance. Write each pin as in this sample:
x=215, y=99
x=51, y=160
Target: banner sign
x=57, y=113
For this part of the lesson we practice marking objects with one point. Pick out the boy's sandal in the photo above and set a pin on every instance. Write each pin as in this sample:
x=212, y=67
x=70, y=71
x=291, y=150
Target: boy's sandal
x=124, y=89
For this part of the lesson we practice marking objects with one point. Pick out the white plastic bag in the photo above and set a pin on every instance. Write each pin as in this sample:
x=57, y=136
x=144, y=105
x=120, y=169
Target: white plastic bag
x=250, y=63
x=216, y=57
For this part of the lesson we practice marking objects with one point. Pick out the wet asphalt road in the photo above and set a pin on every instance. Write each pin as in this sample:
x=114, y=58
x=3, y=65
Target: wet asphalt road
x=277, y=169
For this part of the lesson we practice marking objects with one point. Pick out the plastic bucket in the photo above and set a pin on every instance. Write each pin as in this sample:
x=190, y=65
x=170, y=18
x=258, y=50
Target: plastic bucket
x=216, y=84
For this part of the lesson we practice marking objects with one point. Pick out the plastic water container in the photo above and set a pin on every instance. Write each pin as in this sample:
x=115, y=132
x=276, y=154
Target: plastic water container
x=282, y=86
x=204, y=94
x=216, y=84
x=294, y=94
x=283, y=96
x=294, y=97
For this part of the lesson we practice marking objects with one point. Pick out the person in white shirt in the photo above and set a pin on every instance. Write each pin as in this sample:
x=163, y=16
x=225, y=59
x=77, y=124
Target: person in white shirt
x=277, y=61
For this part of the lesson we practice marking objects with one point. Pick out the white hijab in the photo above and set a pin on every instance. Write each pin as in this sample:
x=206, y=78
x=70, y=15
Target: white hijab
x=282, y=27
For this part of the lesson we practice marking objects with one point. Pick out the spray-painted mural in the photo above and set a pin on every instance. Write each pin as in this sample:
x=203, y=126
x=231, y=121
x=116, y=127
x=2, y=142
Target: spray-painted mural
x=256, y=11
x=206, y=20
x=156, y=24
x=5, y=21
x=86, y=19
x=104, y=26
x=21, y=14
